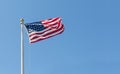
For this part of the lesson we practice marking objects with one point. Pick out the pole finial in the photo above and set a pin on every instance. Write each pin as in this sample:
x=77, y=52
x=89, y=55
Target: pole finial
x=21, y=21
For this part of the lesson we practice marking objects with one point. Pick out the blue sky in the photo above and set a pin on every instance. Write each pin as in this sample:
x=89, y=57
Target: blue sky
x=90, y=43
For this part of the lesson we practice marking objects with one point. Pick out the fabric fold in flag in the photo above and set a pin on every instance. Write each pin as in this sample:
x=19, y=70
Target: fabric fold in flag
x=44, y=29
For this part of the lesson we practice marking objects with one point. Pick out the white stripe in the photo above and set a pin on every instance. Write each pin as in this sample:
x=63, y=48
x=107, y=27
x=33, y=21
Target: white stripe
x=48, y=35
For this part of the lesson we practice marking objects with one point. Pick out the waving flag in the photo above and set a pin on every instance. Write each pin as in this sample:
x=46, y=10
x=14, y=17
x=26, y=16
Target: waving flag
x=44, y=29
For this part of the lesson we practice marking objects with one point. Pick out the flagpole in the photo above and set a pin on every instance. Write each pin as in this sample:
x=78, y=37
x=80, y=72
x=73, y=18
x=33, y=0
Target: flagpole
x=22, y=45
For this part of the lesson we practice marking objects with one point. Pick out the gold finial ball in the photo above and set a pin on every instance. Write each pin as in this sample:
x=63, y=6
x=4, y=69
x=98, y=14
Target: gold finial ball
x=21, y=21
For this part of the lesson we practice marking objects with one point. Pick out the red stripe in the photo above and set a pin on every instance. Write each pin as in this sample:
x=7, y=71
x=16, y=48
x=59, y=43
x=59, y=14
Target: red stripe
x=50, y=21
x=48, y=25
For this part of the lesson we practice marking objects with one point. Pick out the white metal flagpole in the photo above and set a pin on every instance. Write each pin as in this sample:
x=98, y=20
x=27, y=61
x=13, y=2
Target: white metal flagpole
x=22, y=45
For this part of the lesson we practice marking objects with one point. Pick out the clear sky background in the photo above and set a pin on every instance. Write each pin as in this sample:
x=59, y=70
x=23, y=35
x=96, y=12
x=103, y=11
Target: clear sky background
x=90, y=43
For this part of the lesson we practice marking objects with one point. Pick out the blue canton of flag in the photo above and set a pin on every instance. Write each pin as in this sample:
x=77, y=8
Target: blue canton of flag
x=35, y=26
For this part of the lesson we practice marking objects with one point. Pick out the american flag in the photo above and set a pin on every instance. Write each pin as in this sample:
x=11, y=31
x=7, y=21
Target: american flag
x=44, y=29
